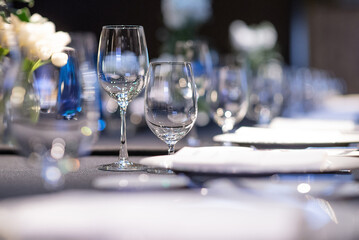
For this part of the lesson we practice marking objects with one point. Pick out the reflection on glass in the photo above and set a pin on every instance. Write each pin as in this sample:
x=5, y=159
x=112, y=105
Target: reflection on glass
x=322, y=210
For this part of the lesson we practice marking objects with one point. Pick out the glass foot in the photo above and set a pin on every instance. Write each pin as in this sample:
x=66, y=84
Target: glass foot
x=122, y=167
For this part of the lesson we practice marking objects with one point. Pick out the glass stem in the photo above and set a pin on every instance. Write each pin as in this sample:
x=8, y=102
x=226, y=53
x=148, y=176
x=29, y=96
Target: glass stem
x=123, y=155
x=225, y=131
x=171, y=149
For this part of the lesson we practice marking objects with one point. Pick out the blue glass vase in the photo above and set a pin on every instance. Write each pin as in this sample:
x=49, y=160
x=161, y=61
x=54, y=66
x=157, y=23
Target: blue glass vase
x=69, y=90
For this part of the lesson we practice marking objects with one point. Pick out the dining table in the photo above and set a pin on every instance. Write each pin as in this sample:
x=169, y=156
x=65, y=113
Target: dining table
x=174, y=204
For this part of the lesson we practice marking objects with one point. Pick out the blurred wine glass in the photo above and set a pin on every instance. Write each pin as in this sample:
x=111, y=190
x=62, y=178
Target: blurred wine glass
x=50, y=121
x=197, y=52
x=10, y=61
x=266, y=93
x=228, y=97
x=170, y=101
x=85, y=44
x=306, y=89
x=122, y=64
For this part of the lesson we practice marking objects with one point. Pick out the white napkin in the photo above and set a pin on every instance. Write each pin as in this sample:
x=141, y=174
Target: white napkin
x=252, y=135
x=342, y=104
x=338, y=107
x=312, y=124
x=231, y=160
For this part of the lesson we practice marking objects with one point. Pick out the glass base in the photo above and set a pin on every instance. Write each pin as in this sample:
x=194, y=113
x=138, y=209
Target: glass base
x=122, y=166
x=159, y=171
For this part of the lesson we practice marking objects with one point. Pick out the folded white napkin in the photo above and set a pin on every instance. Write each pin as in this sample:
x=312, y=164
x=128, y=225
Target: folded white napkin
x=257, y=135
x=232, y=160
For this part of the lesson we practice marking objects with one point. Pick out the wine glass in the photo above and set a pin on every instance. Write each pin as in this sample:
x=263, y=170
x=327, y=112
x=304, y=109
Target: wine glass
x=227, y=97
x=50, y=116
x=266, y=95
x=122, y=64
x=197, y=52
x=170, y=101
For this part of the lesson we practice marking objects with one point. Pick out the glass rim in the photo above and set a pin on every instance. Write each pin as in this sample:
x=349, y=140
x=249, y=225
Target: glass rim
x=170, y=62
x=114, y=26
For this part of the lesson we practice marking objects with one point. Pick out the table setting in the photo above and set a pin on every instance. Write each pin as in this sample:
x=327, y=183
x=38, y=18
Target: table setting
x=220, y=155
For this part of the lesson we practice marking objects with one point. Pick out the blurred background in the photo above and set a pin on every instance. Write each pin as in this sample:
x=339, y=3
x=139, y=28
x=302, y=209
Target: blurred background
x=317, y=33
x=253, y=61
x=296, y=53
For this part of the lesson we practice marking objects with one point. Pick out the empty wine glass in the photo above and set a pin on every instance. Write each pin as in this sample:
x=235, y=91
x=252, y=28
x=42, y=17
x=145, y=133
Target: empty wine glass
x=228, y=97
x=198, y=54
x=122, y=64
x=266, y=95
x=170, y=101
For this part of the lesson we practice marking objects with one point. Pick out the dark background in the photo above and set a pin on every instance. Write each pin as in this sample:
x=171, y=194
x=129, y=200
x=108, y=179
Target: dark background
x=317, y=33
x=91, y=15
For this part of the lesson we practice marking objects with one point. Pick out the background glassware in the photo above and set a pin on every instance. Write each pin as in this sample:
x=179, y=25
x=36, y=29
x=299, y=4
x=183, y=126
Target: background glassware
x=306, y=89
x=9, y=65
x=228, y=97
x=266, y=93
x=50, y=121
x=197, y=52
x=85, y=44
x=122, y=64
x=170, y=101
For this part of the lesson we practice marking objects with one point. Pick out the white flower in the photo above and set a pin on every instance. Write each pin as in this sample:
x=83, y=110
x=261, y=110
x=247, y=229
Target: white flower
x=39, y=38
x=252, y=38
x=43, y=49
x=37, y=18
x=59, y=59
x=60, y=38
x=177, y=13
x=6, y=34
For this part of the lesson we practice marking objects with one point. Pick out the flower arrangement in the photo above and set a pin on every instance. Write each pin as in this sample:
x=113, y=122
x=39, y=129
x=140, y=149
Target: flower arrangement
x=36, y=36
x=257, y=49
x=255, y=43
x=178, y=14
x=182, y=19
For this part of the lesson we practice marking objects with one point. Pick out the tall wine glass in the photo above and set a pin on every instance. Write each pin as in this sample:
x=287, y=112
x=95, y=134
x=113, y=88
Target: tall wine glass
x=228, y=97
x=122, y=64
x=170, y=101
